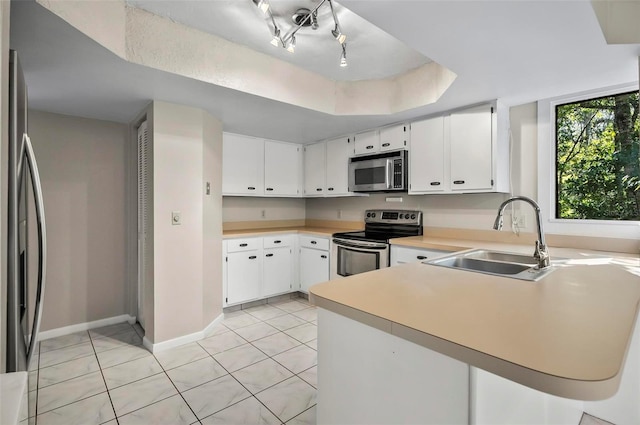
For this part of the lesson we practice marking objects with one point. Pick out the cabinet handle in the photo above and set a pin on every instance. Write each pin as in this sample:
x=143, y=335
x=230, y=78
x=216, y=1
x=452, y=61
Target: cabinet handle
x=323, y=256
x=269, y=189
x=253, y=257
x=251, y=188
x=243, y=244
x=421, y=257
x=384, y=145
x=435, y=183
x=319, y=189
x=329, y=188
x=313, y=242
x=370, y=147
x=278, y=241
x=269, y=255
x=458, y=182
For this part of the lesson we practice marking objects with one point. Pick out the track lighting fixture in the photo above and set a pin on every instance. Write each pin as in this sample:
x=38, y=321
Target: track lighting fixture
x=303, y=18
x=291, y=47
x=276, y=38
x=263, y=5
x=343, y=57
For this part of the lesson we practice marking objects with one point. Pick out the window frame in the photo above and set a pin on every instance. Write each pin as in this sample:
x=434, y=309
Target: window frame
x=547, y=162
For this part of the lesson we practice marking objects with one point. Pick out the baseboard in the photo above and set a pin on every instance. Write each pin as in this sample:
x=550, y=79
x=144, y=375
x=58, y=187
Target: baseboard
x=66, y=330
x=185, y=339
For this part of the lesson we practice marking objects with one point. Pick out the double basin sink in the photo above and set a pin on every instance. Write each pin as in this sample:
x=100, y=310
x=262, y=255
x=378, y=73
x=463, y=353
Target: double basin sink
x=495, y=263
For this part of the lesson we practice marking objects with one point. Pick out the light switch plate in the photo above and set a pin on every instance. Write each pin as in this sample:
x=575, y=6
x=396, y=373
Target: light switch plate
x=176, y=218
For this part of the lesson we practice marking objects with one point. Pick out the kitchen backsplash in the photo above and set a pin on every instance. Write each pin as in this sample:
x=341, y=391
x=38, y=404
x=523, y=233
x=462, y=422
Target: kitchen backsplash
x=255, y=209
x=472, y=211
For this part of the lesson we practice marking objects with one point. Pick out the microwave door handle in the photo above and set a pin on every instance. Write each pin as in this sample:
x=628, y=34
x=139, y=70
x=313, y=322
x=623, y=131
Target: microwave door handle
x=389, y=169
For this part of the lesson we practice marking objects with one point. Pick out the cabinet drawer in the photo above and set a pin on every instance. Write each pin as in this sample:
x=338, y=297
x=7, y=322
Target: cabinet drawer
x=277, y=241
x=314, y=242
x=235, y=245
x=410, y=255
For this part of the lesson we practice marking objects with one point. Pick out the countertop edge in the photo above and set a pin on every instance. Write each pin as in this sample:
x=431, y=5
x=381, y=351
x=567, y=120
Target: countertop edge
x=550, y=384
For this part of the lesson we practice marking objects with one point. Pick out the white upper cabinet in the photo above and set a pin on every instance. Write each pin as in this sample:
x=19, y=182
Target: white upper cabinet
x=337, y=165
x=393, y=138
x=255, y=167
x=471, y=148
x=282, y=168
x=466, y=151
x=427, y=160
x=314, y=170
x=367, y=143
x=243, y=165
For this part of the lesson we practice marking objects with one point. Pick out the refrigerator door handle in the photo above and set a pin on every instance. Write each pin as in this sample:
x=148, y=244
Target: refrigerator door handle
x=28, y=156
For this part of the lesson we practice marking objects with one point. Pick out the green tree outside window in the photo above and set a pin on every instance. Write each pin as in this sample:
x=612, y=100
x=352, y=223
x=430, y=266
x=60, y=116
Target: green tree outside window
x=598, y=158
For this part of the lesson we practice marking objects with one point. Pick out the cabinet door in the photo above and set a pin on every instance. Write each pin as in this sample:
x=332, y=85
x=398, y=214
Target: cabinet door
x=338, y=153
x=471, y=148
x=314, y=169
x=314, y=267
x=243, y=276
x=392, y=138
x=282, y=164
x=242, y=165
x=277, y=276
x=366, y=143
x=426, y=159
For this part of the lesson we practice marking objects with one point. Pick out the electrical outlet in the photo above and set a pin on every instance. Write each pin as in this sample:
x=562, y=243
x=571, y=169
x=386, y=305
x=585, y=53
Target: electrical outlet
x=263, y=213
x=339, y=213
x=521, y=221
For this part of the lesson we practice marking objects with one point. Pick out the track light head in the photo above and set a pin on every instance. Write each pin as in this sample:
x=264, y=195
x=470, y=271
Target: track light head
x=291, y=47
x=338, y=35
x=263, y=5
x=343, y=57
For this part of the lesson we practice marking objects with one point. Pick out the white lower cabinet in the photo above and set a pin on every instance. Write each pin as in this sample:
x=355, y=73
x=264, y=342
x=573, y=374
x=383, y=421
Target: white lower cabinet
x=261, y=267
x=278, y=271
x=244, y=273
x=314, y=261
x=403, y=255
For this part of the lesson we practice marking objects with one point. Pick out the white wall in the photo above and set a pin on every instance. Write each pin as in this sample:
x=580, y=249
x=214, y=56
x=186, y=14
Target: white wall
x=185, y=141
x=82, y=169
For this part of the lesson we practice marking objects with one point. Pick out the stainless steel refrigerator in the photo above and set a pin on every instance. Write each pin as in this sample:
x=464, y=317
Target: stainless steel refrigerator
x=25, y=281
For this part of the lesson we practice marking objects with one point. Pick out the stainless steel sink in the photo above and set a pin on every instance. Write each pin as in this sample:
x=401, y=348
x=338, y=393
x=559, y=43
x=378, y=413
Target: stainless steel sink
x=495, y=263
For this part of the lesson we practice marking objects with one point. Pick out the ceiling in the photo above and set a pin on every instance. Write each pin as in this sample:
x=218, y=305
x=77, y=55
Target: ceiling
x=518, y=51
x=317, y=51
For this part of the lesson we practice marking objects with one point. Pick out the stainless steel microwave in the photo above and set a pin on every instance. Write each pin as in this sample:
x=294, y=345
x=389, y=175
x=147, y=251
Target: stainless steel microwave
x=383, y=172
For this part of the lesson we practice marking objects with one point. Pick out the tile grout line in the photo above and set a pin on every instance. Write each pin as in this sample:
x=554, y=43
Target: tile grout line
x=115, y=414
x=174, y=385
x=241, y=384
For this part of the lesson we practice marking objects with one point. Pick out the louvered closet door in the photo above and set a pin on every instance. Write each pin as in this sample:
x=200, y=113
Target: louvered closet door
x=145, y=252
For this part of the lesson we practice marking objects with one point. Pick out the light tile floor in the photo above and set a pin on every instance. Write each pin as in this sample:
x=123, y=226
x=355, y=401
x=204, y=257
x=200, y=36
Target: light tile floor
x=257, y=367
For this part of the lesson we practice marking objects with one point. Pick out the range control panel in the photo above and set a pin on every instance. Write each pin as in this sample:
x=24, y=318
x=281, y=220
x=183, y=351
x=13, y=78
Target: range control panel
x=412, y=217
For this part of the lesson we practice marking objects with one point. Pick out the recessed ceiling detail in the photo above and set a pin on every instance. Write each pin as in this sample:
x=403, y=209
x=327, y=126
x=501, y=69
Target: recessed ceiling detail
x=144, y=38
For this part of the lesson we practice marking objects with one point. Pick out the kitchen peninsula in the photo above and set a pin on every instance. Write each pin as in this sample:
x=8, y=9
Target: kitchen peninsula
x=419, y=343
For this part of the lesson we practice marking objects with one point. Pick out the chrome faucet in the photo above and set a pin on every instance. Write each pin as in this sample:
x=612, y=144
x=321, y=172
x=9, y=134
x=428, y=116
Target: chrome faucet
x=541, y=253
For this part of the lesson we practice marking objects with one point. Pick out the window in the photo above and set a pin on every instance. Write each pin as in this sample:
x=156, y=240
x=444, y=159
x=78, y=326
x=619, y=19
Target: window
x=597, y=142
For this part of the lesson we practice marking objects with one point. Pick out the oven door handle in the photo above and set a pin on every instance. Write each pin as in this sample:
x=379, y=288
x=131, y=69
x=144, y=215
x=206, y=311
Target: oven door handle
x=369, y=246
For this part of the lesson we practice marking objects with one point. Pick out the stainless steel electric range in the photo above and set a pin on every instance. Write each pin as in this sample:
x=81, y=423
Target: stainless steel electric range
x=368, y=249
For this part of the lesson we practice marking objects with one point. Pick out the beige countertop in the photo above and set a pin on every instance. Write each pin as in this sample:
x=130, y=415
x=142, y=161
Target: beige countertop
x=566, y=334
x=320, y=231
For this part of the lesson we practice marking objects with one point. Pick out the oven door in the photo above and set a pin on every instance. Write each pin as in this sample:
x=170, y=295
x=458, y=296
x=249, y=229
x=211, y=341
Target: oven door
x=349, y=257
